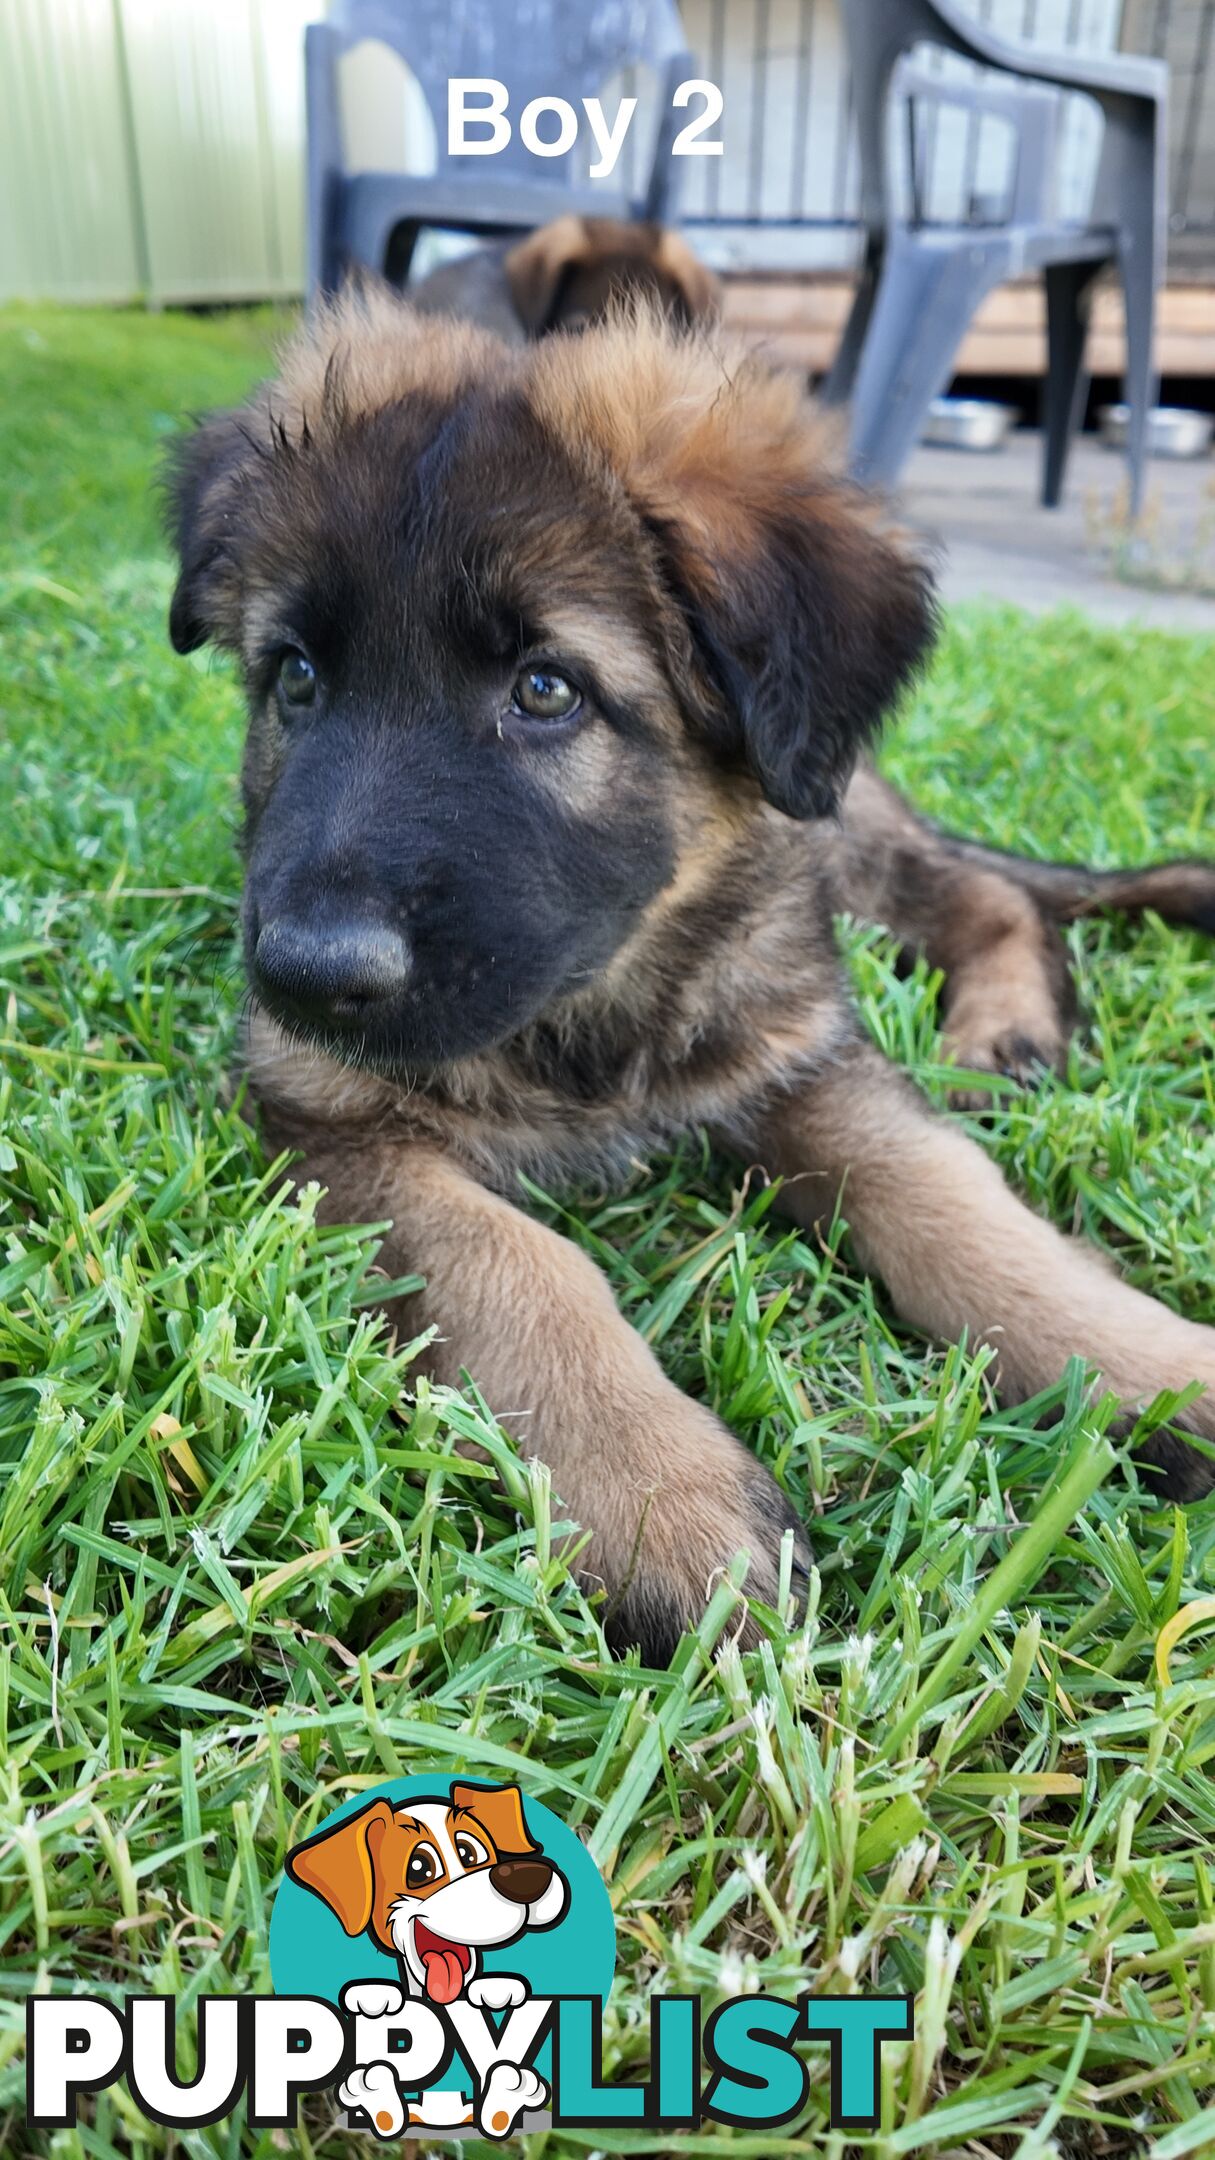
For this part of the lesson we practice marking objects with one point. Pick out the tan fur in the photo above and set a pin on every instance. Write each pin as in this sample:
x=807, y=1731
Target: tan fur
x=1000, y=991
x=700, y=289
x=670, y=1492
x=704, y=434
x=616, y=650
x=1007, y=1000
x=371, y=352
x=957, y=1251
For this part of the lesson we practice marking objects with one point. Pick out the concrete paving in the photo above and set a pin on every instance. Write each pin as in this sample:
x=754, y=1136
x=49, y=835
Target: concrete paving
x=998, y=542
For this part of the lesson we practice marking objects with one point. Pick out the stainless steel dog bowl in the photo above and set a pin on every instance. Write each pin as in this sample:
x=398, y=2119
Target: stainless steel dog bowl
x=967, y=424
x=1172, y=430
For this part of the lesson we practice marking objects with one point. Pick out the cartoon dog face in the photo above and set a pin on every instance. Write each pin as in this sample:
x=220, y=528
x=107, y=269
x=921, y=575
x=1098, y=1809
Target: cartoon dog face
x=435, y=1880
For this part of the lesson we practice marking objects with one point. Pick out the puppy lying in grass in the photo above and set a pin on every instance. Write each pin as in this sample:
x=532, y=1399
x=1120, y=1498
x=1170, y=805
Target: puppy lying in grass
x=559, y=663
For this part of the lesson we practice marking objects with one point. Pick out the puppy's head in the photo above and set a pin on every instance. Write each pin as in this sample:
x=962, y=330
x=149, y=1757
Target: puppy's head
x=435, y=1881
x=517, y=630
x=569, y=274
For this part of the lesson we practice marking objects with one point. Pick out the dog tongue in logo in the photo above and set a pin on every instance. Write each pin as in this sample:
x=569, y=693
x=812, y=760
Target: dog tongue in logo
x=444, y=1963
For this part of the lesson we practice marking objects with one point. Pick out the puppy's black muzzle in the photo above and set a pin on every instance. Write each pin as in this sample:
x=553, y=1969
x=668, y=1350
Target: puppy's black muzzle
x=340, y=970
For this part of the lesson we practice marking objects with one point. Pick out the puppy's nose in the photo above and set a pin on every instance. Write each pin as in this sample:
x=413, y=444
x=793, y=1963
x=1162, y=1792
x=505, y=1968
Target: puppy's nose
x=523, y=1881
x=331, y=967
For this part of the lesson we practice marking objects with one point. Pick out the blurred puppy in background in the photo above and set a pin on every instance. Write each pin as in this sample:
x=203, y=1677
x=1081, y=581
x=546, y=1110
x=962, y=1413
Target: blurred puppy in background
x=566, y=275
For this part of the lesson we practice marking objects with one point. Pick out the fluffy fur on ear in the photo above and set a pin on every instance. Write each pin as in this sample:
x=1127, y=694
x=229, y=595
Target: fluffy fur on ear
x=361, y=351
x=696, y=285
x=799, y=618
x=202, y=476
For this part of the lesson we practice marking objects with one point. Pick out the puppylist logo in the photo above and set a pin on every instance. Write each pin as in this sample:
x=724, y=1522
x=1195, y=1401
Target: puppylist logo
x=442, y=1951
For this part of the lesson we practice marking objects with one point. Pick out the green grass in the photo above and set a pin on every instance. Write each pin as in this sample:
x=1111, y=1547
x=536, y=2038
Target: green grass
x=243, y=1572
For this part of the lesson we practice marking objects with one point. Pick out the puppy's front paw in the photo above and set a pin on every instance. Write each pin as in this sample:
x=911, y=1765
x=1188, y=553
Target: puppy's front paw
x=373, y=1998
x=509, y=2091
x=497, y=1991
x=715, y=1501
x=373, y=2087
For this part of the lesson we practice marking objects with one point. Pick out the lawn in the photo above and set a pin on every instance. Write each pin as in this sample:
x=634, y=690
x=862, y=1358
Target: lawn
x=243, y=1573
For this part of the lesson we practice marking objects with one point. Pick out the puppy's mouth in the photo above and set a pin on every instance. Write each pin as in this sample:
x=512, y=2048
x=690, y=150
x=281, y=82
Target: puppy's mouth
x=444, y=1963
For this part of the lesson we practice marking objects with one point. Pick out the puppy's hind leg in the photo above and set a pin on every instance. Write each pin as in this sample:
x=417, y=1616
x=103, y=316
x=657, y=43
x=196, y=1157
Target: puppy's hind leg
x=992, y=922
x=1008, y=1005
x=932, y=1215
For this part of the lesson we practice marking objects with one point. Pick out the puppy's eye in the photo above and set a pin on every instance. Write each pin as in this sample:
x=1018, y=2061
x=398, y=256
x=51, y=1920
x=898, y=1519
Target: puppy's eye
x=544, y=695
x=296, y=677
x=469, y=1850
x=422, y=1868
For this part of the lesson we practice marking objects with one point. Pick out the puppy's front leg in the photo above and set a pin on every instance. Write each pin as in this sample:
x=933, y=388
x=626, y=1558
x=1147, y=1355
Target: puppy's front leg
x=668, y=1493
x=933, y=1217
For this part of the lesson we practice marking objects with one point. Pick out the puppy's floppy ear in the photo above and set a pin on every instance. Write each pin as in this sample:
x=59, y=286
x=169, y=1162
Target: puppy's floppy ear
x=792, y=620
x=498, y=1809
x=535, y=267
x=696, y=286
x=201, y=478
x=807, y=623
x=338, y=1865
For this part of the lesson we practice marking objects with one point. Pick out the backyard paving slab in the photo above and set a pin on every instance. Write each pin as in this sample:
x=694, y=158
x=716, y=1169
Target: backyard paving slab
x=998, y=543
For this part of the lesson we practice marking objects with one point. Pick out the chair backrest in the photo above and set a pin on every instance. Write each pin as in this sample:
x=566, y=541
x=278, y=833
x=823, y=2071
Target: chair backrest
x=878, y=32
x=1032, y=112
x=538, y=48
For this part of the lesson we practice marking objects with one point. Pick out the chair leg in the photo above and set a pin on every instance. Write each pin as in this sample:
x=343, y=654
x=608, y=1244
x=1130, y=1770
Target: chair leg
x=1134, y=158
x=925, y=300
x=1139, y=390
x=329, y=264
x=324, y=160
x=1068, y=293
x=836, y=386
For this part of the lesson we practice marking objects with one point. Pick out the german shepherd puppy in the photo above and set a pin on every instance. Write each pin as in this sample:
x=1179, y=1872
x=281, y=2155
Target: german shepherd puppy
x=559, y=662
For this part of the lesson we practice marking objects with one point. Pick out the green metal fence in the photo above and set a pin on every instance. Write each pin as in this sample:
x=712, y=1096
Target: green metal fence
x=151, y=148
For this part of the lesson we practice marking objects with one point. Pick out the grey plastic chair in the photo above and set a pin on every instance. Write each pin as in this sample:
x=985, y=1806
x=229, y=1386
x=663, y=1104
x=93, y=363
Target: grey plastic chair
x=921, y=284
x=538, y=48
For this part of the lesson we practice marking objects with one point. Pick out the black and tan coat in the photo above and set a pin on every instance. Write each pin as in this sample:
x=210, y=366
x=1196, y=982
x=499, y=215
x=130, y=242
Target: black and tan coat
x=560, y=662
